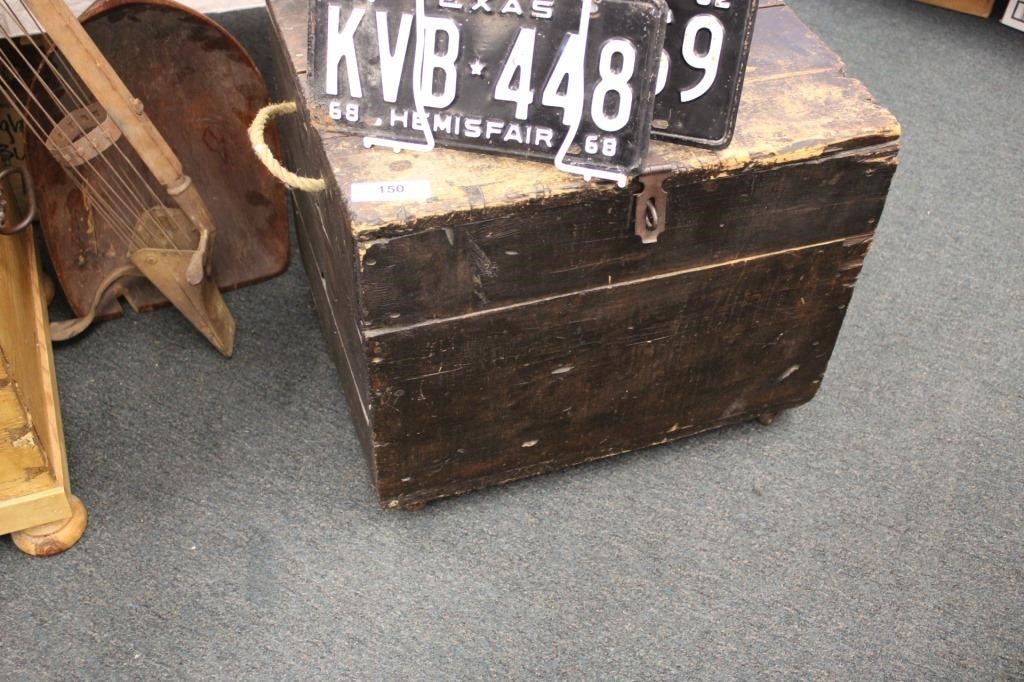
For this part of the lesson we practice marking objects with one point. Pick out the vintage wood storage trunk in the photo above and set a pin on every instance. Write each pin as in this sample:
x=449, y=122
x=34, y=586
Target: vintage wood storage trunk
x=512, y=323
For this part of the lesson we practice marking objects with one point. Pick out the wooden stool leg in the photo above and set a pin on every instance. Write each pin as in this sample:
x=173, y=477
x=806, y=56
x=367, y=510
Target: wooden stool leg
x=53, y=538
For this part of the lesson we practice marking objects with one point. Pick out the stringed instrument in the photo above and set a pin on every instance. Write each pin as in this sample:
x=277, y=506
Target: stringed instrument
x=119, y=106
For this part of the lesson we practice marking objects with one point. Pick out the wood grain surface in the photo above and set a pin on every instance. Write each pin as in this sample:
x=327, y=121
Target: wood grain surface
x=34, y=485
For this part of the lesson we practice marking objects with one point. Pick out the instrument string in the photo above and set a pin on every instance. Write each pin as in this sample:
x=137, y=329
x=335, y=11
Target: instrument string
x=39, y=130
x=99, y=206
x=139, y=201
x=73, y=85
x=39, y=78
x=115, y=201
x=132, y=165
x=107, y=198
x=99, y=200
x=38, y=127
x=146, y=218
x=81, y=99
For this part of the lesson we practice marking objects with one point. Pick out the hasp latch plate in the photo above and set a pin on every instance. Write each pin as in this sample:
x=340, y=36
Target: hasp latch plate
x=650, y=205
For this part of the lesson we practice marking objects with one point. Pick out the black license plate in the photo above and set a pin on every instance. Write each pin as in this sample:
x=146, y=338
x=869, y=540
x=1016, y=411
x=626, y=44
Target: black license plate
x=565, y=81
x=702, y=67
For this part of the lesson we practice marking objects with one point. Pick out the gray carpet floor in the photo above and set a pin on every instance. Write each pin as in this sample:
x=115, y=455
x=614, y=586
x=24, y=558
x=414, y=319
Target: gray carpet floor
x=876, y=532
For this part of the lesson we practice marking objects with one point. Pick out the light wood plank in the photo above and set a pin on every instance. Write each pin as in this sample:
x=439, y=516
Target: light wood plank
x=33, y=468
x=979, y=8
x=25, y=340
x=23, y=467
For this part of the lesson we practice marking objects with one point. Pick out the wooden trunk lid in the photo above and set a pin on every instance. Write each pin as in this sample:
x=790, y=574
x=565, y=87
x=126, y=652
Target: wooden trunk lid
x=499, y=231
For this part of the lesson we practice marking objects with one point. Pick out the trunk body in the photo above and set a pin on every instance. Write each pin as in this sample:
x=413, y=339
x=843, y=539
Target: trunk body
x=513, y=323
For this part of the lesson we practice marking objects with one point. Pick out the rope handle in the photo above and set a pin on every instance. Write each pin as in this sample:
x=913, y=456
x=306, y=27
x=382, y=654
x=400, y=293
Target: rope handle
x=265, y=155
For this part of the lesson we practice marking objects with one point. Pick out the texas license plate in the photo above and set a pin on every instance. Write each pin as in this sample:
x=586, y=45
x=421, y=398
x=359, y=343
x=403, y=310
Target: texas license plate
x=701, y=71
x=569, y=81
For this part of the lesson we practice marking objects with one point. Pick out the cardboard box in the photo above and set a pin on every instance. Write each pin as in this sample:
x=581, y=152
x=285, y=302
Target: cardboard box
x=1014, y=16
x=979, y=8
x=12, y=147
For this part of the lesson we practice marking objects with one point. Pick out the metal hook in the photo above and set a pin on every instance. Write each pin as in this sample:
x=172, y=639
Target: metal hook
x=30, y=194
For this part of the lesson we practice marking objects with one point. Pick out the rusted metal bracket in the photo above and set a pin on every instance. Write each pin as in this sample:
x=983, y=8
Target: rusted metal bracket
x=5, y=201
x=650, y=205
x=78, y=138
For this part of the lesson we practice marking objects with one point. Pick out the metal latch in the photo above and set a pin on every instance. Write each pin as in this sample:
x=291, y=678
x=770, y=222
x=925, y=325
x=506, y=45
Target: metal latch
x=30, y=197
x=650, y=205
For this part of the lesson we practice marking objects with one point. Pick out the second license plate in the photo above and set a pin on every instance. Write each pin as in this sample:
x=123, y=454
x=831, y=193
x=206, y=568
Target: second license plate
x=702, y=68
x=571, y=82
